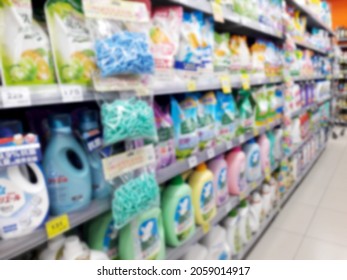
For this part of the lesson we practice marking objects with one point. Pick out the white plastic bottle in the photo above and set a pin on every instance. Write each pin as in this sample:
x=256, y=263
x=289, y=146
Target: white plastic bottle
x=196, y=252
x=255, y=212
x=245, y=229
x=74, y=249
x=54, y=249
x=231, y=224
x=216, y=244
x=267, y=199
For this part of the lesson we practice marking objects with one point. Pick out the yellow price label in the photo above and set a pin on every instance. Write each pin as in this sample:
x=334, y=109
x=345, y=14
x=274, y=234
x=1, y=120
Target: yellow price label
x=226, y=84
x=57, y=226
x=217, y=12
x=267, y=172
x=242, y=196
x=191, y=85
x=256, y=131
x=206, y=228
x=246, y=81
x=254, y=185
x=218, y=1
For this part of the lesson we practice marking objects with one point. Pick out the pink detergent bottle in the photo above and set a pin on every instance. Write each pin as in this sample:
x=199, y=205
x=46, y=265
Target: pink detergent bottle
x=264, y=145
x=236, y=161
x=218, y=166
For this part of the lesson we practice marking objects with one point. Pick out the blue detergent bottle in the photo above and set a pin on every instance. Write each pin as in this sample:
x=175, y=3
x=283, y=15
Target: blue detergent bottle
x=66, y=167
x=88, y=124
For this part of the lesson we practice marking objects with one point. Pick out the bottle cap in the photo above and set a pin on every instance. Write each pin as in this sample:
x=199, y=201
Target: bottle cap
x=10, y=128
x=243, y=203
x=59, y=121
x=178, y=180
x=201, y=167
x=233, y=213
x=88, y=120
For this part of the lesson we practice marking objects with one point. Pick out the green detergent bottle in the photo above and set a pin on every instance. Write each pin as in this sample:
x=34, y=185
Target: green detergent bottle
x=102, y=236
x=178, y=212
x=143, y=238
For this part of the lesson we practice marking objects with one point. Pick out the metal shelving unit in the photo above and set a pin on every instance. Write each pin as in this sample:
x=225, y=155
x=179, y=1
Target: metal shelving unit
x=266, y=223
x=310, y=47
x=312, y=19
x=310, y=78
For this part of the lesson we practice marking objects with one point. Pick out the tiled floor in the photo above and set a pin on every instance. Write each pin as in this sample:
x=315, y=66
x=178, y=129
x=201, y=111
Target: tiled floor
x=313, y=224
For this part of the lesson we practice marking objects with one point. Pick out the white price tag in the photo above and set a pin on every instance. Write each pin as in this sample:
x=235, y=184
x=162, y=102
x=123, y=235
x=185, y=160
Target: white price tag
x=210, y=153
x=15, y=97
x=229, y=145
x=192, y=161
x=71, y=93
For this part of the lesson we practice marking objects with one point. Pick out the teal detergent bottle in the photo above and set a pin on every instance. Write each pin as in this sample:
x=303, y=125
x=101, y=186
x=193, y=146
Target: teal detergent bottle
x=66, y=167
x=88, y=124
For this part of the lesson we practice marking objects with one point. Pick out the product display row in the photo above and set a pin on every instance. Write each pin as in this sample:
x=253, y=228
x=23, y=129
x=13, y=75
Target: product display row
x=181, y=135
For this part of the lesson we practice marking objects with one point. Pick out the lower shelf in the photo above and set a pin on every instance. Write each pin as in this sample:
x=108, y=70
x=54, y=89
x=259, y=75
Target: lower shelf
x=246, y=250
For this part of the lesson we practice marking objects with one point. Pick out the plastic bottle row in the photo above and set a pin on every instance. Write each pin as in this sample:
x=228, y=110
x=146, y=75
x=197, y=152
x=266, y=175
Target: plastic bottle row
x=183, y=206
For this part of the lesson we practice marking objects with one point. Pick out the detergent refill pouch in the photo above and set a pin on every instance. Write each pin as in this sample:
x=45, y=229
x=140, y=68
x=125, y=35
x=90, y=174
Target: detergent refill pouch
x=226, y=116
x=164, y=38
x=246, y=115
x=207, y=44
x=73, y=52
x=221, y=53
x=261, y=107
x=165, y=147
x=207, y=105
x=26, y=57
x=188, y=59
x=185, y=118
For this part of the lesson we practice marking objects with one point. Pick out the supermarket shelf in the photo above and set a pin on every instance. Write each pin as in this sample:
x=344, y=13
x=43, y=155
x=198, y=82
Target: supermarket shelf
x=312, y=19
x=344, y=40
x=246, y=250
x=181, y=166
x=310, y=47
x=340, y=122
x=211, y=83
x=311, y=107
x=309, y=78
x=14, y=247
x=230, y=17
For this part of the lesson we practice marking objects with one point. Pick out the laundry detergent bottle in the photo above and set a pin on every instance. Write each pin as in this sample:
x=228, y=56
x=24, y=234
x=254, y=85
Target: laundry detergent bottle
x=216, y=244
x=236, y=173
x=264, y=145
x=231, y=224
x=218, y=167
x=253, y=163
x=143, y=238
x=24, y=200
x=178, y=212
x=204, y=202
x=67, y=169
x=88, y=125
x=245, y=227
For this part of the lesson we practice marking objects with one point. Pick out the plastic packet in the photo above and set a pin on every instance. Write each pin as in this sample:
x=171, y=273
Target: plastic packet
x=188, y=58
x=240, y=54
x=258, y=56
x=207, y=44
x=128, y=119
x=206, y=119
x=120, y=33
x=25, y=51
x=246, y=113
x=164, y=36
x=185, y=118
x=261, y=106
x=226, y=116
x=221, y=53
x=272, y=103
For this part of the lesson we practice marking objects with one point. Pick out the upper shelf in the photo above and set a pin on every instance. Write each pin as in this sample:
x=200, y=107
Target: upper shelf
x=310, y=47
x=252, y=26
x=312, y=19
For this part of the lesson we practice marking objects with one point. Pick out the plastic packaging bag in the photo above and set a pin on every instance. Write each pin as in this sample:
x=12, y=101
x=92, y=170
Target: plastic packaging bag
x=221, y=53
x=226, y=116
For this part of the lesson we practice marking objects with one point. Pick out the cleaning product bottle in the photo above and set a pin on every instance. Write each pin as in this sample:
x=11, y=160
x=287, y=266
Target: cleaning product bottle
x=74, y=249
x=232, y=226
x=271, y=136
x=236, y=161
x=54, y=249
x=215, y=242
x=264, y=145
x=245, y=229
x=196, y=252
x=102, y=236
x=267, y=199
x=218, y=166
x=24, y=199
x=89, y=124
x=178, y=212
x=204, y=202
x=143, y=238
x=67, y=169
x=255, y=212
x=253, y=164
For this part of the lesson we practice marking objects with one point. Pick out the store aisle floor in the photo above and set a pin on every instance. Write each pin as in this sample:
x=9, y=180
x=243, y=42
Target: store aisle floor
x=313, y=224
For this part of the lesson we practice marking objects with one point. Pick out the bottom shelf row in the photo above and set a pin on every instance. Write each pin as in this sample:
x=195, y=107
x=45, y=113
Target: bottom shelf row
x=231, y=231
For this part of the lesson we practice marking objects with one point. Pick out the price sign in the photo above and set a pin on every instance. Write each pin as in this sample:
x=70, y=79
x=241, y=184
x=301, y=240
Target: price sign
x=191, y=85
x=226, y=84
x=192, y=161
x=71, y=93
x=229, y=145
x=210, y=153
x=246, y=81
x=206, y=228
x=217, y=11
x=57, y=226
x=15, y=97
